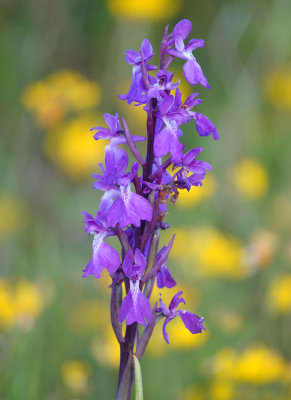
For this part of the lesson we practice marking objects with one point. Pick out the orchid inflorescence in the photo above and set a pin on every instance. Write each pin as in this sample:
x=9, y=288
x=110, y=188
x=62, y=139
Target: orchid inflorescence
x=137, y=216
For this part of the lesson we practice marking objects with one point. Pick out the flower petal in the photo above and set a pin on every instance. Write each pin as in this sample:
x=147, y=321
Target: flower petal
x=192, y=322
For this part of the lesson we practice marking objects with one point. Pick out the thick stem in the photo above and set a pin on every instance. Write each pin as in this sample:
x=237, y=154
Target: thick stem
x=126, y=367
x=151, y=127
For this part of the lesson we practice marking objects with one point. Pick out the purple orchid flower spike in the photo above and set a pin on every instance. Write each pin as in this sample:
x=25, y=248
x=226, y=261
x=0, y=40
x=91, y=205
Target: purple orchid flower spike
x=137, y=87
x=135, y=306
x=103, y=256
x=136, y=193
x=191, y=321
x=192, y=70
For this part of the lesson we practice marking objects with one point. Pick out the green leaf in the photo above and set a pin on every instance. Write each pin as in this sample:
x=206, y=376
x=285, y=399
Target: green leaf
x=138, y=379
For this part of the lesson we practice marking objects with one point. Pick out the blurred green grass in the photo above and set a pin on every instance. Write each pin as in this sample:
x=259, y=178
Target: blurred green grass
x=53, y=343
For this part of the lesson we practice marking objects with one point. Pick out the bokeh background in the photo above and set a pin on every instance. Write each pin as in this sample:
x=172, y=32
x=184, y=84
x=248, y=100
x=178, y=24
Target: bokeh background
x=62, y=66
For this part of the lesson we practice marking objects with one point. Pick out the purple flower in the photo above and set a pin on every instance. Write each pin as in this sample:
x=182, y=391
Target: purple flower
x=164, y=277
x=137, y=87
x=135, y=306
x=204, y=126
x=167, y=140
x=114, y=132
x=115, y=165
x=191, y=321
x=190, y=164
x=163, y=82
x=192, y=70
x=129, y=208
x=103, y=255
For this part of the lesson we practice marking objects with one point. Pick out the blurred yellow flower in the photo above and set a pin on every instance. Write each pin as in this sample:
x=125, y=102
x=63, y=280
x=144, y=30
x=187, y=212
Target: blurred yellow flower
x=278, y=88
x=53, y=97
x=28, y=300
x=251, y=179
x=221, y=390
x=12, y=214
x=75, y=375
x=197, y=194
x=144, y=9
x=72, y=147
x=212, y=253
x=105, y=348
x=259, y=365
x=20, y=304
x=7, y=306
x=279, y=295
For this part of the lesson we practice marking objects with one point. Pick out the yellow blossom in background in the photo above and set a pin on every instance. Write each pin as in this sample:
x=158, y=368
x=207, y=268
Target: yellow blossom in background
x=28, y=300
x=20, y=303
x=278, y=88
x=75, y=375
x=259, y=365
x=251, y=179
x=105, y=348
x=256, y=364
x=197, y=194
x=53, y=97
x=13, y=213
x=7, y=306
x=72, y=148
x=222, y=390
x=144, y=9
x=279, y=295
x=192, y=392
x=211, y=254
